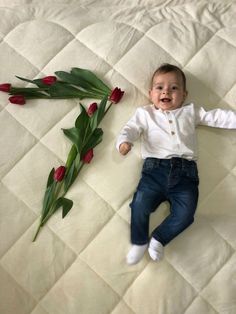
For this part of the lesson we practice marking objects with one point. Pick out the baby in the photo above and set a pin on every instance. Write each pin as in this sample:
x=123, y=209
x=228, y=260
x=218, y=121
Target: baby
x=169, y=149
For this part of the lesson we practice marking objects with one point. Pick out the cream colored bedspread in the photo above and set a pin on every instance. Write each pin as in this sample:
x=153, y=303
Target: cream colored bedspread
x=77, y=265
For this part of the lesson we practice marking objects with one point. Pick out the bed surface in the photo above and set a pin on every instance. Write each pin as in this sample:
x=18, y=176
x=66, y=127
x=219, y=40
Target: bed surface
x=77, y=265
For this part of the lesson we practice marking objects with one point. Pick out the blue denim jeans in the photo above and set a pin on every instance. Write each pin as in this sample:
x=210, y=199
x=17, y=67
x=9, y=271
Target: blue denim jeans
x=174, y=180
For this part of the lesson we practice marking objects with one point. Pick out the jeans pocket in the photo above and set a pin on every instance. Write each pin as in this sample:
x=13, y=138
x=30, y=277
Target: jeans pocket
x=192, y=172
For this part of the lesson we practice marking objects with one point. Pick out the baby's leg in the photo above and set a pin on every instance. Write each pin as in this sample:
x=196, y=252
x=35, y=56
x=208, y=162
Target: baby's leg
x=144, y=203
x=149, y=195
x=183, y=200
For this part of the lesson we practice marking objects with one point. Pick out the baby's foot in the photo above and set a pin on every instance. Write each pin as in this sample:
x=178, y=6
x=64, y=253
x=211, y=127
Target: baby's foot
x=155, y=250
x=136, y=253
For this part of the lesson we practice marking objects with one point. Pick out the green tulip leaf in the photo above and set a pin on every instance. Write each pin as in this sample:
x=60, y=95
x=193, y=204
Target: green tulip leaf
x=66, y=205
x=74, y=135
x=98, y=114
x=50, y=177
x=70, y=177
x=101, y=109
x=78, y=163
x=82, y=122
x=73, y=79
x=60, y=90
x=93, y=122
x=93, y=141
x=48, y=199
x=71, y=156
x=91, y=79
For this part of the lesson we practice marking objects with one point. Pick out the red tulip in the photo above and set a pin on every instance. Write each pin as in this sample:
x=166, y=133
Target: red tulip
x=92, y=108
x=88, y=156
x=116, y=95
x=49, y=80
x=59, y=173
x=5, y=87
x=17, y=99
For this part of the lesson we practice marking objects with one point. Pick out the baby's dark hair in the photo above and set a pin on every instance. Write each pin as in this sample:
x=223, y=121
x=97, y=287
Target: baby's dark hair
x=166, y=68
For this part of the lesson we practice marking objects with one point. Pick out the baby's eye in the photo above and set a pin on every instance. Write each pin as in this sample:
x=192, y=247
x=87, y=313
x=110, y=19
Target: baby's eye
x=159, y=87
x=175, y=87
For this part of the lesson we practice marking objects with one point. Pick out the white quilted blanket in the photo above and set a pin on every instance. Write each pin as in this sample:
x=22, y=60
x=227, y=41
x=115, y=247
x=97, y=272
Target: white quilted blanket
x=77, y=265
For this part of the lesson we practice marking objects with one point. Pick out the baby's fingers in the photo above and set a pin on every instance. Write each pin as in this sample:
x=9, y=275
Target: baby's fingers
x=125, y=148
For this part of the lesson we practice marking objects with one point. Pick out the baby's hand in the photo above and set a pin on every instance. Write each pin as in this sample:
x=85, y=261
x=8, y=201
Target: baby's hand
x=125, y=148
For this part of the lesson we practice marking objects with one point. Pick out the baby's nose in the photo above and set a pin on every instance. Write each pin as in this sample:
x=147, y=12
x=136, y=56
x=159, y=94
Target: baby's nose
x=165, y=91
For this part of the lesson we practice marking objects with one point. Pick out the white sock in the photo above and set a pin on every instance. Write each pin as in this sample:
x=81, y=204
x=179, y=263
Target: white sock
x=155, y=250
x=136, y=253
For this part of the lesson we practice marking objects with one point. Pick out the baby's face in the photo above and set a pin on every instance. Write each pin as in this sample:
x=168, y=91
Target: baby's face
x=167, y=92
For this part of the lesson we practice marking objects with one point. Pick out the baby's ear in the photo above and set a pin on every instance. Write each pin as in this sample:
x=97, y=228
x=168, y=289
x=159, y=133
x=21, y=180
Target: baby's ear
x=185, y=94
x=150, y=93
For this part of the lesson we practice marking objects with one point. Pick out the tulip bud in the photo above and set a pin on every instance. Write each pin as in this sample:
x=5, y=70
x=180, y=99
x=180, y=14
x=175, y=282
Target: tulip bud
x=92, y=108
x=17, y=99
x=49, y=80
x=59, y=173
x=116, y=95
x=5, y=87
x=88, y=156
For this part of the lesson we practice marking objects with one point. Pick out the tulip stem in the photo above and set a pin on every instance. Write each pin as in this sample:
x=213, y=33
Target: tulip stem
x=108, y=108
x=43, y=220
x=37, y=232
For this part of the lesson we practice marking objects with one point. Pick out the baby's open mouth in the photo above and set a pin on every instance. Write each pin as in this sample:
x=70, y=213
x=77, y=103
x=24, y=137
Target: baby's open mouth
x=165, y=99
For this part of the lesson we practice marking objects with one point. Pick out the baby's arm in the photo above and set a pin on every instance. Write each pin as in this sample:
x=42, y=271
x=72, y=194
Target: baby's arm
x=130, y=132
x=219, y=118
x=124, y=148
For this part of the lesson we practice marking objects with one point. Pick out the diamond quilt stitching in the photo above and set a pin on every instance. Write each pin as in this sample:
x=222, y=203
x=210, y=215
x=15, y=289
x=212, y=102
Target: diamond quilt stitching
x=75, y=269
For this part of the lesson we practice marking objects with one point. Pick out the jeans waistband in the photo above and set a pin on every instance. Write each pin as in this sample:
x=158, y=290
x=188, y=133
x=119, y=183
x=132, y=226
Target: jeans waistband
x=174, y=161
